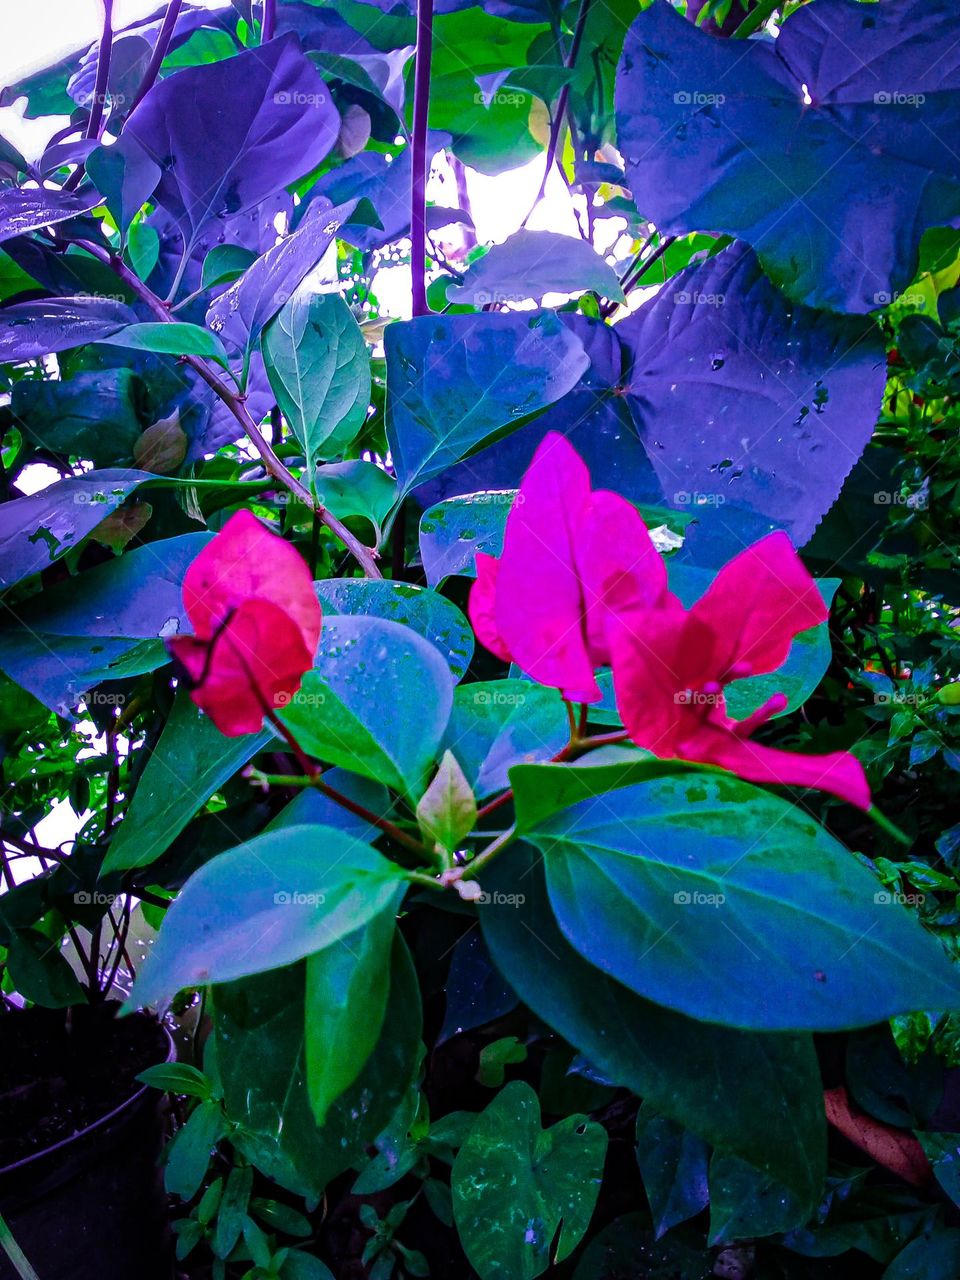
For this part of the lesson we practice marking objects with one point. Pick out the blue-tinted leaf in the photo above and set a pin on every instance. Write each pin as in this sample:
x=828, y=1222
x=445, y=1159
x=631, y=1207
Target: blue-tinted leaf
x=29, y=330
x=241, y=312
x=174, y=339
x=531, y=263
x=24, y=209
x=267, y=903
x=672, y=885
x=426, y=612
x=36, y=530
x=824, y=149
x=752, y=411
x=125, y=176
x=265, y=118
x=496, y=724
x=452, y=382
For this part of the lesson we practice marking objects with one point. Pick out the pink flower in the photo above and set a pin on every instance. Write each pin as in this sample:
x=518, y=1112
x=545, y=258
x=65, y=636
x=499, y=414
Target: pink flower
x=671, y=664
x=256, y=622
x=570, y=556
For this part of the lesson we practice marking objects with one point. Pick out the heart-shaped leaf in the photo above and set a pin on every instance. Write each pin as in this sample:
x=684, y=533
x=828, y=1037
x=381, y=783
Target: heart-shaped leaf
x=519, y=1190
x=823, y=149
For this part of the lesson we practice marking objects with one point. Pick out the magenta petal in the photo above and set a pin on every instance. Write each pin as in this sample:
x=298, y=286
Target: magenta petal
x=539, y=603
x=482, y=607
x=839, y=773
x=756, y=605
x=620, y=569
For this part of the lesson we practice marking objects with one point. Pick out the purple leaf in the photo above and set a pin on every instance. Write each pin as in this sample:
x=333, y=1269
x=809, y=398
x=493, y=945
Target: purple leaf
x=35, y=531
x=746, y=404
x=24, y=209
x=125, y=176
x=825, y=149
x=240, y=313
x=29, y=330
x=232, y=133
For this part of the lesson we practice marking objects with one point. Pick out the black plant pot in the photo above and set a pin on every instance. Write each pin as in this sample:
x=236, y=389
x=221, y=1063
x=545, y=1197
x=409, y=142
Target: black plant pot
x=92, y=1207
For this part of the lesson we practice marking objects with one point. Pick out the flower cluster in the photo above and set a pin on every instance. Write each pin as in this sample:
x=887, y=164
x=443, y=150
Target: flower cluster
x=579, y=585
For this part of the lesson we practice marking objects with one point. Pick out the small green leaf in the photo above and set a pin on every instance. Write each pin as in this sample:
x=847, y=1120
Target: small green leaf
x=519, y=1190
x=40, y=971
x=174, y=339
x=188, y=1155
x=496, y=1057
x=447, y=810
x=177, y=1077
x=319, y=369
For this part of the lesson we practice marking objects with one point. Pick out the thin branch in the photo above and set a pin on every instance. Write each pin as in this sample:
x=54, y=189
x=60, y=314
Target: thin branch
x=95, y=122
x=164, y=36
x=556, y=124
x=418, y=180
x=235, y=402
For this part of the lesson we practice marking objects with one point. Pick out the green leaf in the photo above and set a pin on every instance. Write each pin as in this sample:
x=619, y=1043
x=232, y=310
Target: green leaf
x=188, y=1156
x=745, y=1203
x=613, y=1252
x=452, y=384
x=258, y=1050
x=319, y=369
x=356, y=488
x=519, y=1189
x=346, y=999
x=757, y=1096
x=447, y=810
x=497, y=724
x=273, y=900
x=94, y=415
x=177, y=1077
x=377, y=702
x=673, y=885
x=943, y=1152
x=529, y=264
x=935, y=1257
x=496, y=1057
x=453, y=531
x=143, y=248
x=191, y=761
x=225, y=263
x=426, y=612
x=233, y=1210
x=174, y=339
x=673, y=1163
x=40, y=972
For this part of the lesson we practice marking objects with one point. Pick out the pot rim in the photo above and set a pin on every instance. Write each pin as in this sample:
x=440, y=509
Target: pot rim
x=100, y=1123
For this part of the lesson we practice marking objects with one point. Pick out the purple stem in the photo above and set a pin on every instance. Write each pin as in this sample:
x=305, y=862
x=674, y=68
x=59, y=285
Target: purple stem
x=418, y=182
x=268, y=22
x=95, y=123
x=164, y=37
x=556, y=124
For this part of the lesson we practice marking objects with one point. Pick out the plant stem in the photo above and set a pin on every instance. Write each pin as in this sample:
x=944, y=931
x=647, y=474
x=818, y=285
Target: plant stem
x=418, y=180
x=95, y=121
x=268, y=22
x=314, y=778
x=556, y=124
x=884, y=823
x=755, y=20
x=164, y=37
x=235, y=402
x=15, y=1253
